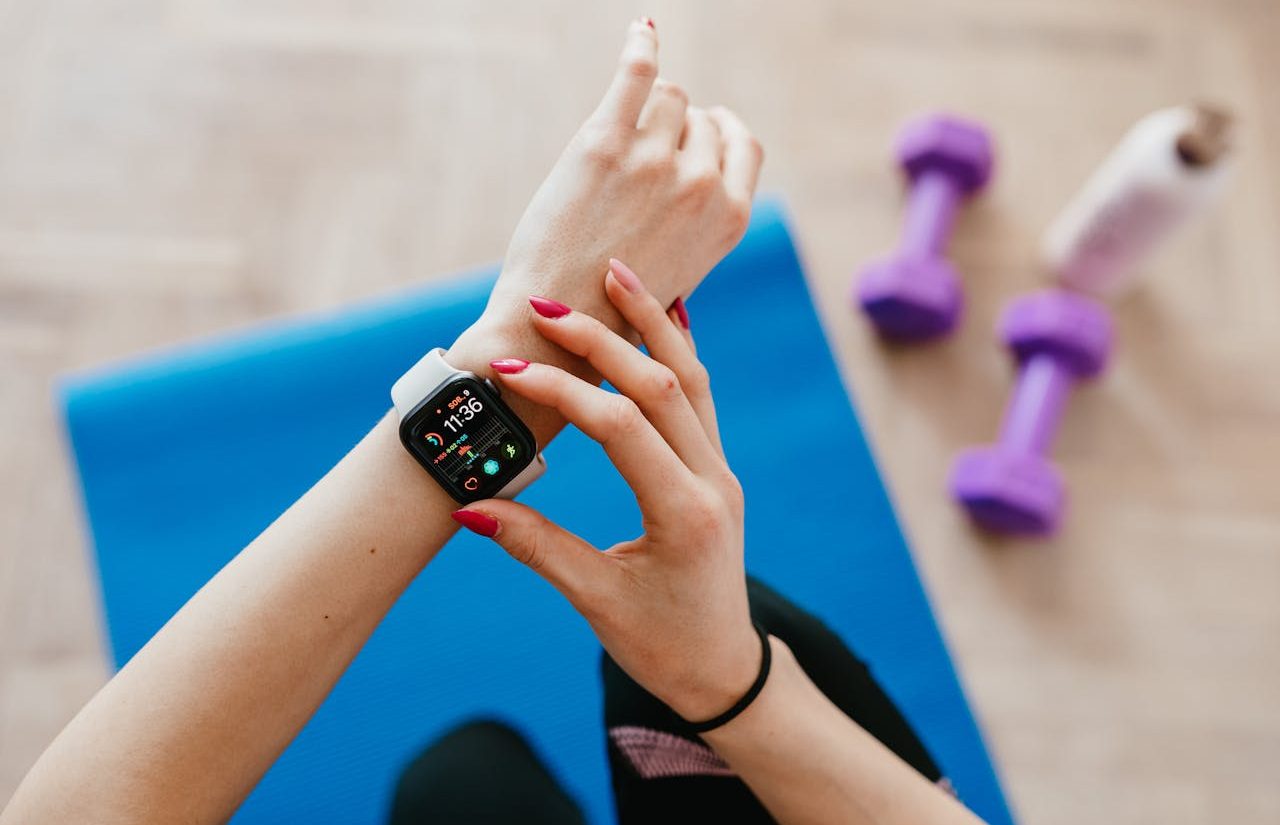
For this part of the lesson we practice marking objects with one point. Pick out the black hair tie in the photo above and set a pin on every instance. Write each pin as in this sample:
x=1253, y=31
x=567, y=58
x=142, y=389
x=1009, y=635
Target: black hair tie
x=766, y=659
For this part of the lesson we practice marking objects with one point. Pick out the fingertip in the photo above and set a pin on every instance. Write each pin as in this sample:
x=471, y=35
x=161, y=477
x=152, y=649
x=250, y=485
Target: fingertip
x=509, y=366
x=548, y=307
x=478, y=522
x=681, y=312
x=685, y=334
x=614, y=290
x=643, y=27
x=626, y=277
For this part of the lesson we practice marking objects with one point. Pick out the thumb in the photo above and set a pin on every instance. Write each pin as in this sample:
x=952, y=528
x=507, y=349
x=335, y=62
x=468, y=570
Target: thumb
x=569, y=563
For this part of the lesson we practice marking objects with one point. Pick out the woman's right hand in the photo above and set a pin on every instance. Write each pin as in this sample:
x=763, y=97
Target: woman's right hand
x=671, y=605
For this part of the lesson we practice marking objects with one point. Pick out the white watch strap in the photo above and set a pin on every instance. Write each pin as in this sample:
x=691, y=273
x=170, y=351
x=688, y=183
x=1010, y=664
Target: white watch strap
x=423, y=379
x=420, y=382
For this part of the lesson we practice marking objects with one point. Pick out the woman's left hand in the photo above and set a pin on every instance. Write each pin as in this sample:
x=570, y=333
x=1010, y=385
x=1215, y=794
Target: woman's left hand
x=647, y=177
x=671, y=605
x=666, y=185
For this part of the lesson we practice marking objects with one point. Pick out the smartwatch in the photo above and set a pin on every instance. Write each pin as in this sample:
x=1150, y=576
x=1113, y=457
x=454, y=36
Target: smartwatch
x=456, y=425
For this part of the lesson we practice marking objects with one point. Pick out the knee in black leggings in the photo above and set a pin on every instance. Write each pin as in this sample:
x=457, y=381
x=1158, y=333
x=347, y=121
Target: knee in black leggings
x=481, y=773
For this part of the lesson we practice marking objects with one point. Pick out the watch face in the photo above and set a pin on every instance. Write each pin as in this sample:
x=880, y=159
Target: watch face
x=468, y=439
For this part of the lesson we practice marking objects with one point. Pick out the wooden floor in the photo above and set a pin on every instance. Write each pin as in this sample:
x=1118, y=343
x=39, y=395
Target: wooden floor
x=168, y=169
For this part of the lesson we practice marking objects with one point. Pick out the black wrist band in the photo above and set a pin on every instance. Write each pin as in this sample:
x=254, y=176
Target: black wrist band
x=766, y=659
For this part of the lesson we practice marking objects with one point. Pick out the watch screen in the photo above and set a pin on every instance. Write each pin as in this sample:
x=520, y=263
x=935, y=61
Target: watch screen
x=468, y=439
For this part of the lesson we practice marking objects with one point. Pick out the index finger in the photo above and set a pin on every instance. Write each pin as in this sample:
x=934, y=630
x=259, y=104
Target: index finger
x=632, y=82
x=643, y=458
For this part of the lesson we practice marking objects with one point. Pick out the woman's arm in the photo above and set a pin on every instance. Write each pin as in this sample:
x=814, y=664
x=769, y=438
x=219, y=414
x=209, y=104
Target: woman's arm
x=671, y=605
x=809, y=763
x=186, y=729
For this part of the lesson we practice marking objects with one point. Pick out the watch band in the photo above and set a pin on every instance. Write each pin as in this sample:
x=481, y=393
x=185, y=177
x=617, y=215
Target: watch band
x=422, y=380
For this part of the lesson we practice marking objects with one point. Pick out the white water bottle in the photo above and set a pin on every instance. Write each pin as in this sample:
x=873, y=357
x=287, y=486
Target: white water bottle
x=1168, y=167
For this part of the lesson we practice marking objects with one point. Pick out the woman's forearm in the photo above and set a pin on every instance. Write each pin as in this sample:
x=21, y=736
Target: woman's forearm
x=809, y=763
x=193, y=721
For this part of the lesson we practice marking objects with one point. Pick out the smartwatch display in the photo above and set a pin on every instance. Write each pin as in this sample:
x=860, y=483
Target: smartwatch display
x=458, y=428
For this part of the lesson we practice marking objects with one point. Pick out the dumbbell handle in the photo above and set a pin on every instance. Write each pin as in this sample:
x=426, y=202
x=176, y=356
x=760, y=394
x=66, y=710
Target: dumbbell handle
x=1031, y=420
x=931, y=207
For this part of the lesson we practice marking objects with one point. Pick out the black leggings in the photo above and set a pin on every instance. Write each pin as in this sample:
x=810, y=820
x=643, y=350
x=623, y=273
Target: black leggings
x=484, y=773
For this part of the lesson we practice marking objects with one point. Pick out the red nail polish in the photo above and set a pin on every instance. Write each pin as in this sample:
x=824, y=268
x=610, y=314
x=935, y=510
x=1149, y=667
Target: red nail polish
x=477, y=522
x=509, y=366
x=648, y=21
x=624, y=275
x=681, y=312
x=548, y=308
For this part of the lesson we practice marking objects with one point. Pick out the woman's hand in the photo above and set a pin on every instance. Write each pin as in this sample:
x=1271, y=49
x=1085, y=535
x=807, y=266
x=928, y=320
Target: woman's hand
x=647, y=177
x=662, y=184
x=671, y=605
x=665, y=185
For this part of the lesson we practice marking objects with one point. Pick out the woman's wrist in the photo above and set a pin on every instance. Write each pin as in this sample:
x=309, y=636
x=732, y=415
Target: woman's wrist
x=783, y=688
x=487, y=341
x=720, y=680
x=491, y=337
x=505, y=330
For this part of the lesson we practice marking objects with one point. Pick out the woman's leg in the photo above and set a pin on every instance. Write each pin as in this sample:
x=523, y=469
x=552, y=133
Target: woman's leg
x=483, y=773
x=663, y=772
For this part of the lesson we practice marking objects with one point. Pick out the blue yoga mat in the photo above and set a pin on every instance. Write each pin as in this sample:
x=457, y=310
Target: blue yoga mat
x=185, y=455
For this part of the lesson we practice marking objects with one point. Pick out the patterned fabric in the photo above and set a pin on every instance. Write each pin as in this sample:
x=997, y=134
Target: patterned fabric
x=655, y=754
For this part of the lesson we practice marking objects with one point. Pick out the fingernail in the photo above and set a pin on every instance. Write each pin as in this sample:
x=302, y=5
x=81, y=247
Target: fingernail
x=630, y=281
x=509, y=366
x=681, y=312
x=478, y=523
x=648, y=21
x=548, y=308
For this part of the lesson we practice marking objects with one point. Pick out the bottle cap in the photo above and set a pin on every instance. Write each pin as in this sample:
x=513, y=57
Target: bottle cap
x=1208, y=137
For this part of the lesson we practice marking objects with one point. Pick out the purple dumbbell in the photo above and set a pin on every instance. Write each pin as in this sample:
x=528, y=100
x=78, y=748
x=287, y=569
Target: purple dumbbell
x=915, y=292
x=1057, y=338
